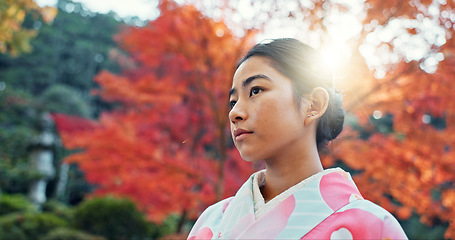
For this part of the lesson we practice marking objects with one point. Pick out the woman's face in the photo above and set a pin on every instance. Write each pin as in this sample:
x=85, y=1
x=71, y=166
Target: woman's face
x=265, y=119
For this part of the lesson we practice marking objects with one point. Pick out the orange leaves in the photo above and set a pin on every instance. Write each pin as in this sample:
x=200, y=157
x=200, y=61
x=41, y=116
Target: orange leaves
x=409, y=168
x=117, y=88
x=165, y=144
x=448, y=201
x=448, y=198
x=70, y=126
x=383, y=11
x=48, y=14
x=129, y=156
x=139, y=91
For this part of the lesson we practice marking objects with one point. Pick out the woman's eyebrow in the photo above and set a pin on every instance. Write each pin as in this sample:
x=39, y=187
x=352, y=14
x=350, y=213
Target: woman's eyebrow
x=248, y=81
x=254, y=77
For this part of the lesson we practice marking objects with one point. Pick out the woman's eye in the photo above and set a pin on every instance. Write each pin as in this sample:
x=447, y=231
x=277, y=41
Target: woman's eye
x=255, y=90
x=232, y=103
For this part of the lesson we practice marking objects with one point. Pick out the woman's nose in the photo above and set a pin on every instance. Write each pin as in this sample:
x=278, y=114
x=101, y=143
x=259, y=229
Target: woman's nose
x=237, y=113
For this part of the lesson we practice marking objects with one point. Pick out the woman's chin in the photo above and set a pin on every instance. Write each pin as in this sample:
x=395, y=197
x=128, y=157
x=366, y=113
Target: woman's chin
x=250, y=157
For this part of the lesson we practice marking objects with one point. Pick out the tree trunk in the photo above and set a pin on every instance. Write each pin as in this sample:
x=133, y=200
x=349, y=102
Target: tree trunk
x=62, y=181
x=181, y=222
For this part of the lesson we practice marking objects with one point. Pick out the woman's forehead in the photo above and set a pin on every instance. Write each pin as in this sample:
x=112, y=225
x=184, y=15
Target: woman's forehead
x=252, y=66
x=258, y=68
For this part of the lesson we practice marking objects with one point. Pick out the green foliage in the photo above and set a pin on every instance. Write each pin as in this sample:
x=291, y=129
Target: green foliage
x=112, y=218
x=416, y=230
x=97, y=219
x=77, y=186
x=59, y=209
x=15, y=204
x=64, y=99
x=168, y=227
x=15, y=178
x=28, y=225
x=13, y=103
x=70, y=234
x=57, y=76
x=15, y=125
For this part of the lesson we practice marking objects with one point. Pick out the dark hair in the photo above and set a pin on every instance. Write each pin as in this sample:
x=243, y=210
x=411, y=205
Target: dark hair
x=302, y=64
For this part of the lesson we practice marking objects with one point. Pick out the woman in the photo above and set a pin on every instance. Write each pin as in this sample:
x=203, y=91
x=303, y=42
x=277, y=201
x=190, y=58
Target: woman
x=285, y=109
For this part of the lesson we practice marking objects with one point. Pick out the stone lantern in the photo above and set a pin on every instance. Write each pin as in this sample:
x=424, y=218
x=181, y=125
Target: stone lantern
x=41, y=159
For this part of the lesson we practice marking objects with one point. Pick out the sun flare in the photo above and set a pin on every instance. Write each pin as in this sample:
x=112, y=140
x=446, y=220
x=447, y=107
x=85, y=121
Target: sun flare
x=332, y=57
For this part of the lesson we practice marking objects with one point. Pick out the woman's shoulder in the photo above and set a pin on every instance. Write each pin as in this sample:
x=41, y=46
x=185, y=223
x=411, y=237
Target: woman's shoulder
x=359, y=219
x=217, y=208
x=367, y=212
x=209, y=219
x=368, y=206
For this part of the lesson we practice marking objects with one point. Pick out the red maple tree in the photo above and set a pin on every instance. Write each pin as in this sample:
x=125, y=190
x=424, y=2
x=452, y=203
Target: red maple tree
x=166, y=145
x=408, y=166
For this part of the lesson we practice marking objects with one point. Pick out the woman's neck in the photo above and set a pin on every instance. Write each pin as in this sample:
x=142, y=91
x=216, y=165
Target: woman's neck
x=283, y=173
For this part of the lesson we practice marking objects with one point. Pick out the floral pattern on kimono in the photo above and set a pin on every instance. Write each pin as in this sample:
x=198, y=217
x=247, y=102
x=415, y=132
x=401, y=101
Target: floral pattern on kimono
x=327, y=207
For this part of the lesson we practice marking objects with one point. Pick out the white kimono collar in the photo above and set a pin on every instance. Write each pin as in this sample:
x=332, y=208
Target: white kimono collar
x=258, y=178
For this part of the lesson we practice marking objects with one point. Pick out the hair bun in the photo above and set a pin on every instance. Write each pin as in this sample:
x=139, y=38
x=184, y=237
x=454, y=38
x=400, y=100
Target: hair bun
x=331, y=123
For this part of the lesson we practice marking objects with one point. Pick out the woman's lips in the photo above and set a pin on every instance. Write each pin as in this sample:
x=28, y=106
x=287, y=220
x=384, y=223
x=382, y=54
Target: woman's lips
x=241, y=134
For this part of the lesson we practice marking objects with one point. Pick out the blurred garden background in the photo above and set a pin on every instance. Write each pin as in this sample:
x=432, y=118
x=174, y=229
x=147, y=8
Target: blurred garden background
x=116, y=127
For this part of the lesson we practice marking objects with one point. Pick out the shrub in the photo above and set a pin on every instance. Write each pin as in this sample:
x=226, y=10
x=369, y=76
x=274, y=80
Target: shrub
x=28, y=225
x=113, y=218
x=15, y=204
x=59, y=209
x=64, y=99
x=168, y=227
x=70, y=234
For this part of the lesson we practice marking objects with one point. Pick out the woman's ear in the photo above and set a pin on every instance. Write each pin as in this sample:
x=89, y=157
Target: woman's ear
x=319, y=101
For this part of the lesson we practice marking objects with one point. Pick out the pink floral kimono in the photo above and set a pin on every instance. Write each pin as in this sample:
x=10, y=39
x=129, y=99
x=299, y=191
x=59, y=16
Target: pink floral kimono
x=326, y=205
